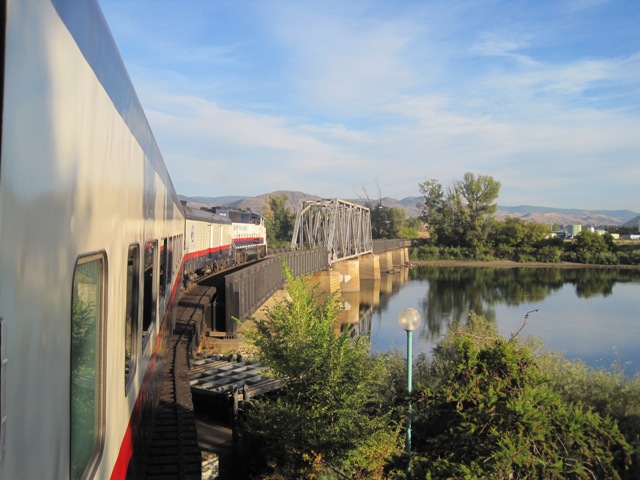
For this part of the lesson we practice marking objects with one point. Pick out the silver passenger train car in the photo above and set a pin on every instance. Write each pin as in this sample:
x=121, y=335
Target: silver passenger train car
x=91, y=239
x=93, y=244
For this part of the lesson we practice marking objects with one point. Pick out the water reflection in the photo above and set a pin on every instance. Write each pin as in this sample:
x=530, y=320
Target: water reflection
x=590, y=314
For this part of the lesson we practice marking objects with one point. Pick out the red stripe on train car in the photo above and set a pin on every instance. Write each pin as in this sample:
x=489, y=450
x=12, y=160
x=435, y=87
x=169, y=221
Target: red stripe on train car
x=126, y=446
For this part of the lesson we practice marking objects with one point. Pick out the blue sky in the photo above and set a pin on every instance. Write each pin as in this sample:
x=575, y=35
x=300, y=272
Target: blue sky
x=335, y=98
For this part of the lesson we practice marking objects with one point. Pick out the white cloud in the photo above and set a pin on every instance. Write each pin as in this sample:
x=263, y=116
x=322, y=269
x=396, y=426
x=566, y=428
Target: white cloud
x=327, y=97
x=494, y=45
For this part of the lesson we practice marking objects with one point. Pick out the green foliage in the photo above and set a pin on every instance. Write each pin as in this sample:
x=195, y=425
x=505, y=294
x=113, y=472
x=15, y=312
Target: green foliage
x=462, y=215
x=83, y=337
x=492, y=413
x=386, y=222
x=461, y=224
x=412, y=228
x=279, y=220
x=629, y=257
x=608, y=392
x=519, y=240
x=329, y=417
x=590, y=247
x=83, y=381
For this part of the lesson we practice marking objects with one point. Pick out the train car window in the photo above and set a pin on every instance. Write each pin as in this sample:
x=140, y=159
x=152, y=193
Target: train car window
x=3, y=388
x=169, y=267
x=87, y=365
x=131, y=316
x=180, y=250
x=150, y=293
x=163, y=278
x=163, y=267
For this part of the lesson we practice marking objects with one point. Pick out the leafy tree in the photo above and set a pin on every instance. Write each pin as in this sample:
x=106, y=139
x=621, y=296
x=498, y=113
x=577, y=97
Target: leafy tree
x=479, y=194
x=491, y=412
x=439, y=213
x=518, y=240
x=412, y=228
x=279, y=220
x=329, y=417
x=461, y=215
x=386, y=222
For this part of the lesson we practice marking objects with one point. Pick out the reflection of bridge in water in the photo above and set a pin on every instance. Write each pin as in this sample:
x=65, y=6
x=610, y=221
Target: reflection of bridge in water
x=359, y=307
x=331, y=243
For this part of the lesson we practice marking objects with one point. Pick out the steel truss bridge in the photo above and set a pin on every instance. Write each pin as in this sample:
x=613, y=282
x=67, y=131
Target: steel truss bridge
x=341, y=228
x=326, y=231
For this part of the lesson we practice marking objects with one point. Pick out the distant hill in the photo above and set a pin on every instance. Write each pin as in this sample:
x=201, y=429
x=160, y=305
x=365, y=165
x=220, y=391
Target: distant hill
x=634, y=222
x=566, y=216
x=255, y=204
x=546, y=215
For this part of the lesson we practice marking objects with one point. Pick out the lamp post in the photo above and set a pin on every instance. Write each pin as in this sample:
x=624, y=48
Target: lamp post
x=409, y=320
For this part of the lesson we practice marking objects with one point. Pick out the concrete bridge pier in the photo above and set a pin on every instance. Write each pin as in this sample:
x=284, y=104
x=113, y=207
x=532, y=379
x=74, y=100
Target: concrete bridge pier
x=349, y=271
x=400, y=256
x=326, y=282
x=386, y=261
x=370, y=267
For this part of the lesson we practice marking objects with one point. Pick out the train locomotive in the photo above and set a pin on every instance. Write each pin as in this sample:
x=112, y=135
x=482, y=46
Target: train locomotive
x=217, y=238
x=95, y=246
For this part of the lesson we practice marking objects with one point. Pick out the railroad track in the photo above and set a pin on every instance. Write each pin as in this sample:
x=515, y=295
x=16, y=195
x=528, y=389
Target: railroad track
x=173, y=451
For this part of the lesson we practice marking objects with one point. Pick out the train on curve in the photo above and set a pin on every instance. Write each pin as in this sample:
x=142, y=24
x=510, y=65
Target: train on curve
x=95, y=246
x=219, y=238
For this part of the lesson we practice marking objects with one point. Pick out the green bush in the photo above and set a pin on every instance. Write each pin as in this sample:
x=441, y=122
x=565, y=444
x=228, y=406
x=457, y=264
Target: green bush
x=628, y=258
x=329, y=420
x=608, y=392
x=549, y=254
x=491, y=412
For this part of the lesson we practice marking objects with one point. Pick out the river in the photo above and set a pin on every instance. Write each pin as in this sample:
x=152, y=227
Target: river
x=585, y=313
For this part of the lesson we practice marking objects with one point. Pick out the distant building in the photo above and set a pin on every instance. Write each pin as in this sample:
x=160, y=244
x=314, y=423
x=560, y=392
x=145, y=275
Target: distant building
x=573, y=230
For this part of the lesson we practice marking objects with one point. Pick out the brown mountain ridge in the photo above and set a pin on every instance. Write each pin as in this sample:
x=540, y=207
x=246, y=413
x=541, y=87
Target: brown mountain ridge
x=411, y=206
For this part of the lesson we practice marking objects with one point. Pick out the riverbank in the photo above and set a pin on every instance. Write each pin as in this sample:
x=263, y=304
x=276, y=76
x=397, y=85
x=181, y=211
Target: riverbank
x=512, y=264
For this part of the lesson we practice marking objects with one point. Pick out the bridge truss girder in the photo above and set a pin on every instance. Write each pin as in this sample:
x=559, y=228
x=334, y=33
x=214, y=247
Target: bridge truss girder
x=342, y=228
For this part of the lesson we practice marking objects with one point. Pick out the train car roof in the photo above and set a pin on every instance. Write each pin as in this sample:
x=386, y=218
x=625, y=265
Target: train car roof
x=236, y=214
x=198, y=215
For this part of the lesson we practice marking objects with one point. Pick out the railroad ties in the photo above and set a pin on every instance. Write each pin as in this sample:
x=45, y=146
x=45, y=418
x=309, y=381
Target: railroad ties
x=222, y=382
x=173, y=451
